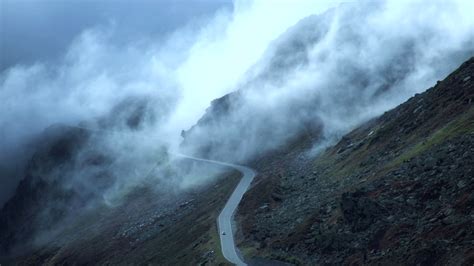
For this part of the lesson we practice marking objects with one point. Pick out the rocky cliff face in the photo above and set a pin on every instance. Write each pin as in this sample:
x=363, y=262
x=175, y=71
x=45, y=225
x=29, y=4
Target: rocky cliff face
x=21, y=216
x=68, y=172
x=396, y=190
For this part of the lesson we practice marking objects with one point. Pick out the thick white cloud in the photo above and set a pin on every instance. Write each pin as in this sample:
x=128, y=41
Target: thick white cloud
x=339, y=70
x=325, y=68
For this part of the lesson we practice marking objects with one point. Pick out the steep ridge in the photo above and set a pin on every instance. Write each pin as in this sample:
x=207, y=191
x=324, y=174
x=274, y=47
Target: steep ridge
x=67, y=174
x=19, y=218
x=396, y=190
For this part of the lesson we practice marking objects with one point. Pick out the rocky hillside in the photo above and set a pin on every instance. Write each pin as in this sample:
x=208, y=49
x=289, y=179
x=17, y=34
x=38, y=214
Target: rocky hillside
x=396, y=190
x=52, y=220
x=20, y=217
x=69, y=172
x=146, y=229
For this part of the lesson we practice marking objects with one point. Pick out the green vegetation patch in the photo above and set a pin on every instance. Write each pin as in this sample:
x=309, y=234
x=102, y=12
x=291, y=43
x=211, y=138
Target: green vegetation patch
x=462, y=125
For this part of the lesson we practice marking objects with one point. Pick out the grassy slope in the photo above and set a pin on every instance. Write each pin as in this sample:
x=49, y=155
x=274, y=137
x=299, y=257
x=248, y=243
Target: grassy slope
x=405, y=132
x=186, y=235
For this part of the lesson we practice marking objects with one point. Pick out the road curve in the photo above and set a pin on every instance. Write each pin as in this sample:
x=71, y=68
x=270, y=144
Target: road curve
x=225, y=219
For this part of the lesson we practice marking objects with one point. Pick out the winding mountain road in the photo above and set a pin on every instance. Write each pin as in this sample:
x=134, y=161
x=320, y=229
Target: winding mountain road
x=225, y=219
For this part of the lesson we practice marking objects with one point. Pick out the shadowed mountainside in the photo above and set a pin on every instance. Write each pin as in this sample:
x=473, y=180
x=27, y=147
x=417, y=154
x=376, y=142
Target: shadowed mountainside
x=395, y=190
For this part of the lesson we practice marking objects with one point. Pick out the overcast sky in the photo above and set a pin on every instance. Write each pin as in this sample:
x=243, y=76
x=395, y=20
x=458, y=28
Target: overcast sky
x=39, y=30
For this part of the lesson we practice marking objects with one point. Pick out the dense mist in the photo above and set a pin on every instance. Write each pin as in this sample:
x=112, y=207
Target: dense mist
x=181, y=74
x=329, y=73
x=122, y=91
x=54, y=54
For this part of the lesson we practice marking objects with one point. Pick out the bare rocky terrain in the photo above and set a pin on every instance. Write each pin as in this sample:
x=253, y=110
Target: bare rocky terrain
x=396, y=190
x=55, y=220
x=339, y=181
x=146, y=228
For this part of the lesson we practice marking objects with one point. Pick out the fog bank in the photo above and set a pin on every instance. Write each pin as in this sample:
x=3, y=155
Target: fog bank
x=292, y=65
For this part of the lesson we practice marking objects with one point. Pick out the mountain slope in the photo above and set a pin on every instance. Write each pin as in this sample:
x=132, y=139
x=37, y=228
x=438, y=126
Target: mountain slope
x=326, y=74
x=396, y=190
x=84, y=201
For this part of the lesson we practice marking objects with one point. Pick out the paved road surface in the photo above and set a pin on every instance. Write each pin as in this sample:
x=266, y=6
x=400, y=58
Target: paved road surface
x=225, y=219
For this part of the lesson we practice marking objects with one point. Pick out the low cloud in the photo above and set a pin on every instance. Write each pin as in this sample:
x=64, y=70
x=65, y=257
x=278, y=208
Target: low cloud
x=181, y=74
x=290, y=66
x=334, y=71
